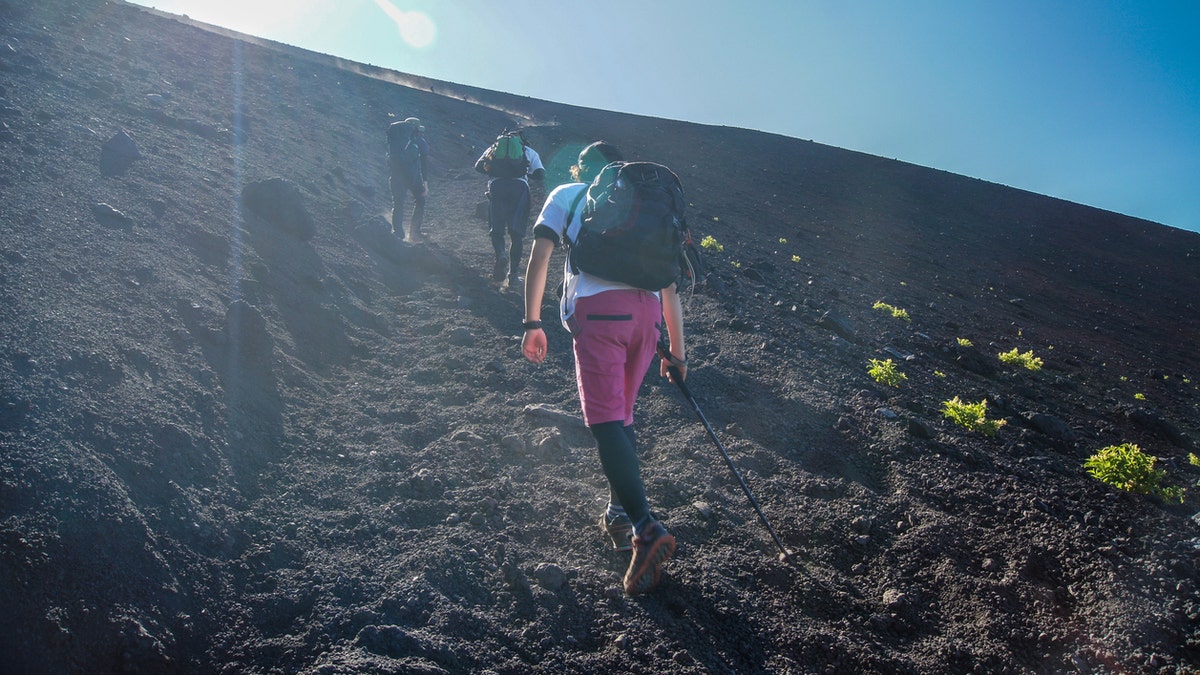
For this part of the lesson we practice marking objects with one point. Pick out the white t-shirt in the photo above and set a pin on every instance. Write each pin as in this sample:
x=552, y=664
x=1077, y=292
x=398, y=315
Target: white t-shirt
x=553, y=221
x=535, y=162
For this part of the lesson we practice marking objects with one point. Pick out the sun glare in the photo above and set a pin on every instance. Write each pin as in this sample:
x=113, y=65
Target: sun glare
x=416, y=28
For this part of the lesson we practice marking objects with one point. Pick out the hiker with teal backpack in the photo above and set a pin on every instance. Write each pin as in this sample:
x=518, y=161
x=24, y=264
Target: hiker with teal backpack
x=509, y=164
x=614, y=312
x=408, y=154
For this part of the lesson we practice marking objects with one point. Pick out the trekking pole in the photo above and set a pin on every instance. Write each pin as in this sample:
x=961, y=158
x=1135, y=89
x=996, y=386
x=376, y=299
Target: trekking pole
x=677, y=376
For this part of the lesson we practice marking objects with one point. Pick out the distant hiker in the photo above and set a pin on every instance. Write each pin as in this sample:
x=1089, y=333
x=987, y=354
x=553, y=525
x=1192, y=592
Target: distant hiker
x=509, y=164
x=616, y=327
x=408, y=154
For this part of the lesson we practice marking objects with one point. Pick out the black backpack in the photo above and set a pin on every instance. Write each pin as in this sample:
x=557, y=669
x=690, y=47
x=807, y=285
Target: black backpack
x=633, y=229
x=404, y=154
x=506, y=158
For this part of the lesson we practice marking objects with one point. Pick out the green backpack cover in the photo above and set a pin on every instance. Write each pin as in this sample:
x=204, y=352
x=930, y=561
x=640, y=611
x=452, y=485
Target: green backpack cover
x=506, y=157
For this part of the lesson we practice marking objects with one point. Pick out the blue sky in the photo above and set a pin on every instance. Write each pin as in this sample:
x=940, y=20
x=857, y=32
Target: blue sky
x=1094, y=101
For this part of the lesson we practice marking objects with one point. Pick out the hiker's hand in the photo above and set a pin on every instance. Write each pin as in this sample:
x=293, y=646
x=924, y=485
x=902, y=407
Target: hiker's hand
x=665, y=368
x=533, y=345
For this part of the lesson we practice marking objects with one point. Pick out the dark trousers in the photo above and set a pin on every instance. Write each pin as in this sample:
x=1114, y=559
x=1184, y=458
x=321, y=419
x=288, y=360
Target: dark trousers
x=401, y=186
x=508, y=212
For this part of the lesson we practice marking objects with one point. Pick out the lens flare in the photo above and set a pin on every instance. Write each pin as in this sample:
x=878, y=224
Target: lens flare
x=416, y=28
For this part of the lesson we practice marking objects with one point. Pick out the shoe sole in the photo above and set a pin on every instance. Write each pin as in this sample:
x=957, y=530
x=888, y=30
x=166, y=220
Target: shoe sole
x=649, y=574
x=620, y=537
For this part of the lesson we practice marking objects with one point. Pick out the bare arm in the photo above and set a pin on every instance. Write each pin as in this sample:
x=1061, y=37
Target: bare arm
x=533, y=344
x=673, y=315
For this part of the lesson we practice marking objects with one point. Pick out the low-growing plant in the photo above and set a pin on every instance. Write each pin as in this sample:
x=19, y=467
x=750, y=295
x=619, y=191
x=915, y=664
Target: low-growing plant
x=896, y=312
x=1126, y=467
x=1140, y=396
x=972, y=416
x=795, y=258
x=884, y=372
x=710, y=243
x=1026, y=360
x=964, y=342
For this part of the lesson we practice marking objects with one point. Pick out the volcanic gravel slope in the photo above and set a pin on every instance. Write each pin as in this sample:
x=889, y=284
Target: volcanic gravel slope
x=240, y=436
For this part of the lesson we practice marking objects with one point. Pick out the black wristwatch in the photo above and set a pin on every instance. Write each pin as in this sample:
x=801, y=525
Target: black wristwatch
x=529, y=325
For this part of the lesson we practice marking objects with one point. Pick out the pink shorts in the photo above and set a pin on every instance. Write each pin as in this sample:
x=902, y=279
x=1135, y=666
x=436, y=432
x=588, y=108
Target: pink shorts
x=615, y=340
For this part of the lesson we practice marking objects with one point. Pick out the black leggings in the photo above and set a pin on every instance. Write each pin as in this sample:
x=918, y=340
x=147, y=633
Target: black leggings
x=619, y=458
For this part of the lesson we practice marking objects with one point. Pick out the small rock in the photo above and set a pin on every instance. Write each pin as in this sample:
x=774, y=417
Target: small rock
x=550, y=576
x=919, y=428
x=108, y=216
x=1050, y=425
x=461, y=337
x=550, y=416
x=551, y=445
x=513, y=444
x=705, y=510
x=895, y=599
x=683, y=658
x=840, y=325
x=466, y=436
x=118, y=154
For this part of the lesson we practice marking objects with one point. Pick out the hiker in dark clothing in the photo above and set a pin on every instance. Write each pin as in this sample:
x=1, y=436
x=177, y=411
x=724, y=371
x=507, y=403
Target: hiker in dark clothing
x=615, y=329
x=408, y=154
x=508, y=200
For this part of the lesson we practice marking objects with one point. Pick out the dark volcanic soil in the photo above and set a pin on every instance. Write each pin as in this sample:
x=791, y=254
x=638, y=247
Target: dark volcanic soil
x=233, y=442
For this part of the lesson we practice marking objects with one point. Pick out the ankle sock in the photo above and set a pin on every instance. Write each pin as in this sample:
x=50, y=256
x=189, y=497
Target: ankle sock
x=641, y=525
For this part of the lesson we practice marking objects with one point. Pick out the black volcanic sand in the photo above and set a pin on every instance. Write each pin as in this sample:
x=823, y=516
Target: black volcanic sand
x=275, y=439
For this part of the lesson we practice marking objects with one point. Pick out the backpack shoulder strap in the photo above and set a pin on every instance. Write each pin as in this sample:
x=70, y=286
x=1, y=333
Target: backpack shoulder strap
x=571, y=214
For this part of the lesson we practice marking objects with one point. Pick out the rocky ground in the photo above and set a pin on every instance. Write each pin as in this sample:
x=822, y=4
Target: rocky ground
x=247, y=431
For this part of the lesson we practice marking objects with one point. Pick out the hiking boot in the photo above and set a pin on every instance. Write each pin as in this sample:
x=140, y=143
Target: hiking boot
x=619, y=529
x=500, y=269
x=514, y=282
x=651, y=549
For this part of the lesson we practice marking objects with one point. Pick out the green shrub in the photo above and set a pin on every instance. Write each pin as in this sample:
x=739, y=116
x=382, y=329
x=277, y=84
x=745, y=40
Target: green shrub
x=884, y=372
x=896, y=311
x=972, y=416
x=964, y=342
x=1026, y=360
x=1126, y=467
x=709, y=243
